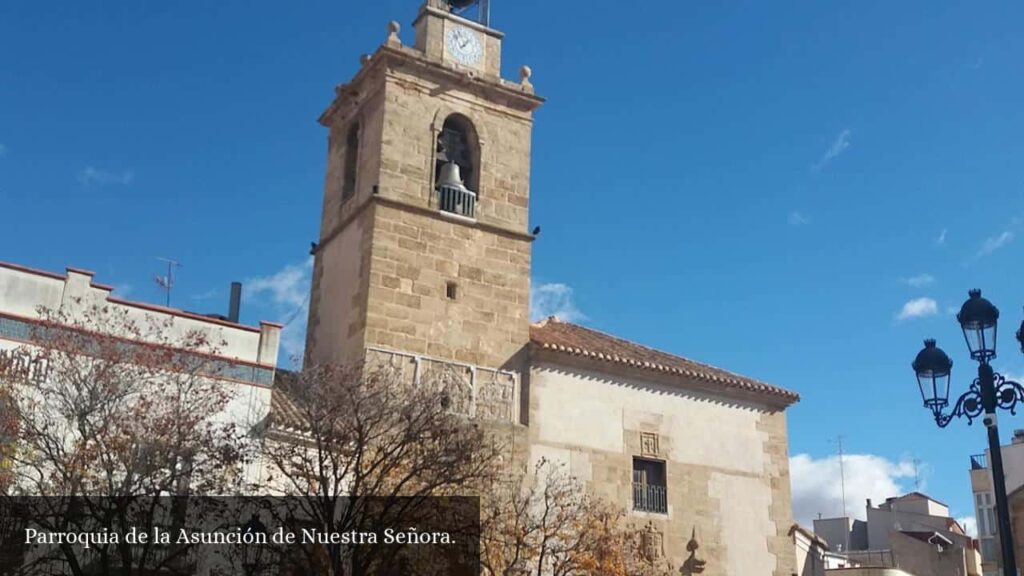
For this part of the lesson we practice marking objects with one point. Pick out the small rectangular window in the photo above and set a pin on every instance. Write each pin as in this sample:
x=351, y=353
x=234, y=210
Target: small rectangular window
x=348, y=186
x=451, y=290
x=650, y=490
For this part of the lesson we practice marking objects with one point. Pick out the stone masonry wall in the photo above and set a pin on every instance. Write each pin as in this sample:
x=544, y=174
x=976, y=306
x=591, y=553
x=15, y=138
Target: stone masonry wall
x=415, y=111
x=726, y=462
x=414, y=256
x=777, y=471
x=387, y=283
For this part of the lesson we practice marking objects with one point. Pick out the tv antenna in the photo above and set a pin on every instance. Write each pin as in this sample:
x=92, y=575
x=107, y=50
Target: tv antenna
x=842, y=484
x=166, y=283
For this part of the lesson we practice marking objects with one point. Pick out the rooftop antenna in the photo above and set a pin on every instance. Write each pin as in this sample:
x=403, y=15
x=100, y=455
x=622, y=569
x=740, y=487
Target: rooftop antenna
x=166, y=283
x=842, y=484
x=842, y=470
x=917, y=475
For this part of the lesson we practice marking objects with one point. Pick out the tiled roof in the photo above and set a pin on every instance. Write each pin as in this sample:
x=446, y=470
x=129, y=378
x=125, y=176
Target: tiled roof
x=564, y=337
x=284, y=414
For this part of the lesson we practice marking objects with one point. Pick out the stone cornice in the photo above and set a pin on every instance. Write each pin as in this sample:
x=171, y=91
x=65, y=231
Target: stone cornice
x=421, y=210
x=515, y=96
x=544, y=355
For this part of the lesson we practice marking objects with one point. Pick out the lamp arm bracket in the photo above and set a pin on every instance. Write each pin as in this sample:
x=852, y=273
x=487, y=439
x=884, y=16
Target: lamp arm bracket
x=967, y=406
x=1008, y=393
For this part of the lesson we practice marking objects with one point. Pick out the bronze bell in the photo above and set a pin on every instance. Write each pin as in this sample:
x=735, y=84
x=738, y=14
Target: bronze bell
x=451, y=177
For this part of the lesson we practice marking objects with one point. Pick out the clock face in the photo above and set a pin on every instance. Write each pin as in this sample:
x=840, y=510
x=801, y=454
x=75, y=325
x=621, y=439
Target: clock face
x=464, y=46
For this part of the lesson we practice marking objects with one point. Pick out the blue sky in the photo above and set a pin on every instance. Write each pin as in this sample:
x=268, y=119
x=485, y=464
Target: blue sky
x=762, y=186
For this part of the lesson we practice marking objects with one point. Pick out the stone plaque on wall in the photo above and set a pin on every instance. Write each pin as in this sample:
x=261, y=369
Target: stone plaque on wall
x=648, y=444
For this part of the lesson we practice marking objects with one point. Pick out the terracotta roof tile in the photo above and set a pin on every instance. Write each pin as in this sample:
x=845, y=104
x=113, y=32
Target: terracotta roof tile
x=564, y=337
x=284, y=414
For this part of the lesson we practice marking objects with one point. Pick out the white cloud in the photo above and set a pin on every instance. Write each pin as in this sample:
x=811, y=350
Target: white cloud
x=284, y=295
x=92, y=176
x=798, y=219
x=1012, y=376
x=941, y=240
x=994, y=243
x=554, y=299
x=839, y=145
x=918, y=308
x=969, y=524
x=817, y=484
x=919, y=281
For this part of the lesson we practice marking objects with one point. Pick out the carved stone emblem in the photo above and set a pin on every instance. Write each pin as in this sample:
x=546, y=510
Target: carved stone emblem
x=648, y=444
x=652, y=544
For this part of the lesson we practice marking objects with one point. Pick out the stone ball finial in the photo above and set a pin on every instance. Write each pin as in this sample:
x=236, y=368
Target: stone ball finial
x=364, y=59
x=394, y=29
x=524, y=76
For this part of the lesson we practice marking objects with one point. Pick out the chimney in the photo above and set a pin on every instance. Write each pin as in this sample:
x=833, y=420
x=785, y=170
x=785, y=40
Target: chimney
x=236, y=301
x=869, y=502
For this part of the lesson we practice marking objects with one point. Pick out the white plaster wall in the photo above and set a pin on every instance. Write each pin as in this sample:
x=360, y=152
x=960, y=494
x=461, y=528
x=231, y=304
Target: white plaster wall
x=811, y=558
x=588, y=411
x=578, y=416
x=744, y=506
x=228, y=342
x=23, y=293
x=917, y=505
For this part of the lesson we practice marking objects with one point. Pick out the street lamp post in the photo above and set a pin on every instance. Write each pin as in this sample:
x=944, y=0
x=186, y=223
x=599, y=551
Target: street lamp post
x=978, y=319
x=252, y=554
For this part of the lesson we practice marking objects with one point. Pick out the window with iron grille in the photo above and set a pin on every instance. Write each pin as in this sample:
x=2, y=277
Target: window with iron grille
x=650, y=491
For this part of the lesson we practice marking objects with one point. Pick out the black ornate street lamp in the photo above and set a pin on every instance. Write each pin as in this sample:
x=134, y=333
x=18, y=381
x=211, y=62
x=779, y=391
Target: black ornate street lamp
x=252, y=554
x=978, y=319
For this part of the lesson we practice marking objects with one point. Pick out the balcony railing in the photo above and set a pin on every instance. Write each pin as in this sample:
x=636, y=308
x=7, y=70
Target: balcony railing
x=650, y=498
x=979, y=462
x=474, y=391
x=882, y=558
x=458, y=201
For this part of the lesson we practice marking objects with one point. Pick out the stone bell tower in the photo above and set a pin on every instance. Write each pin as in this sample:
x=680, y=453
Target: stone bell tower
x=424, y=246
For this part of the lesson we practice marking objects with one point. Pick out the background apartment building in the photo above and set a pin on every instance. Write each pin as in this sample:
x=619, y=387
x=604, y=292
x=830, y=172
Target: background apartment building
x=985, y=502
x=913, y=532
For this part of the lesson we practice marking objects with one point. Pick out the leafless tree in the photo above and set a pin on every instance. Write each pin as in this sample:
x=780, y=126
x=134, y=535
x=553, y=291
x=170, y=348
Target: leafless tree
x=8, y=432
x=117, y=414
x=366, y=448
x=545, y=524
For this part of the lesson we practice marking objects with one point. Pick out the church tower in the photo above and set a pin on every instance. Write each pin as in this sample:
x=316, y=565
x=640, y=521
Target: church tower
x=424, y=246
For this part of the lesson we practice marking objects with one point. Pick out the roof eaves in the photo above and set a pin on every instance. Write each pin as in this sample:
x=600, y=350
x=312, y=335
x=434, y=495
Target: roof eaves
x=736, y=382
